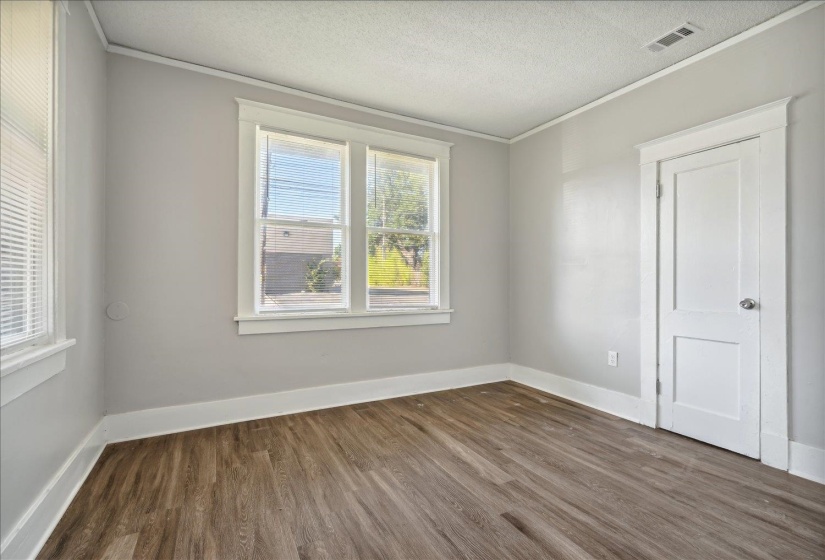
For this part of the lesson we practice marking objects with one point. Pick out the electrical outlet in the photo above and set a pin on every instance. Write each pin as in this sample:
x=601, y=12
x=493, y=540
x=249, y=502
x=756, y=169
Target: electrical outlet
x=612, y=358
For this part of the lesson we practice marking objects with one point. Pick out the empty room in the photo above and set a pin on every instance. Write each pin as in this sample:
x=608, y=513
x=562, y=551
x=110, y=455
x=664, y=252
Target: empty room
x=412, y=280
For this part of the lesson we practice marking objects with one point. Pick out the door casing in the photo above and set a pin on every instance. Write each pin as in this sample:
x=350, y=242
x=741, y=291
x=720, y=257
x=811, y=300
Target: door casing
x=769, y=124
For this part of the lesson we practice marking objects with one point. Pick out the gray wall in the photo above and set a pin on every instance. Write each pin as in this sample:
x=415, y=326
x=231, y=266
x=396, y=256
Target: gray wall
x=574, y=215
x=40, y=429
x=171, y=253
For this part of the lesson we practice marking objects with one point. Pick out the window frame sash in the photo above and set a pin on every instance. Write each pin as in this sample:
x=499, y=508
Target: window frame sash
x=49, y=295
x=261, y=132
x=432, y=231
x=30, y=366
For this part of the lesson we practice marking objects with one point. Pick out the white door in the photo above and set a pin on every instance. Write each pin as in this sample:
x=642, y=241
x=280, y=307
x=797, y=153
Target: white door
x=709, y=296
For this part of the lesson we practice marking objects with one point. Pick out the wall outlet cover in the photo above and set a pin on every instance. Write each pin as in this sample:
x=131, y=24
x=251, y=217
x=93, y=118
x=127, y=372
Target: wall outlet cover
x=613, y=358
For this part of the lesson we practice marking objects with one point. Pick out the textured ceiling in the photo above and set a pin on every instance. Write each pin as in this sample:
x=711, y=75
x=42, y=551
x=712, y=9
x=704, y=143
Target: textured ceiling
x=495, y=67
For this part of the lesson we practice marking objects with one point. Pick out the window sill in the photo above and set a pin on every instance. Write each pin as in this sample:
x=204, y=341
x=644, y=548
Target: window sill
x=23, y=371
x=299, y=322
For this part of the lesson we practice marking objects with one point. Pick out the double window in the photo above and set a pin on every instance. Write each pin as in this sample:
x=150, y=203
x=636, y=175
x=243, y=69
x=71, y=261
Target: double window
x=341, y=226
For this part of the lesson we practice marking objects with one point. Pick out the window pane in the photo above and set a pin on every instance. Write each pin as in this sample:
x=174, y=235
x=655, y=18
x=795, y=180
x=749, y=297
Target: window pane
x=25, y=168
x=399, y=271
x=398, y=190
x=301, y=268
x=300, y=178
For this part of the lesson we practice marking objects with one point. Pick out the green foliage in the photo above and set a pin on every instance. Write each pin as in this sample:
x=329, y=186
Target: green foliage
x=336, y=263
x=318, y=270
x=398, y=199
x=390, y=269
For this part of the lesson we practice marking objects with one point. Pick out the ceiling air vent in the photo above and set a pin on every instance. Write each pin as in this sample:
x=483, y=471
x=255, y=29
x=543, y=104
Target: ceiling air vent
x=660, y=44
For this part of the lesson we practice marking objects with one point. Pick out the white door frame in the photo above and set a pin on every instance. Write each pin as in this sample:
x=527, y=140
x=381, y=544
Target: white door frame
x=769, y=124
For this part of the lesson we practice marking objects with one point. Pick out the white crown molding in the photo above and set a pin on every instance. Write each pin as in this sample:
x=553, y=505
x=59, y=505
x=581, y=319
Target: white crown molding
x=142, y=55
x=126, y=51
x=31, y=531
x=328, y=127
x=134, y=53
x=96, y=23
x=781, y=18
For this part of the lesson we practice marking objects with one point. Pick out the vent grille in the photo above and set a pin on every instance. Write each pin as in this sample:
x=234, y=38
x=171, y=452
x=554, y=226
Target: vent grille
x=672, y=37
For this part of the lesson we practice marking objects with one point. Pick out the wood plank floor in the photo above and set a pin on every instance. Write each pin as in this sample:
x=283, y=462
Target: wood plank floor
x=496, y=471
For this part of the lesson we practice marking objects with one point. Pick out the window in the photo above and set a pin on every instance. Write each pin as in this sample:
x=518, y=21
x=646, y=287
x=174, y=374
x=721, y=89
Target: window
x=400, y=231
x=30, y=322
x=340, y=225
x=25, y=128
x=302, y=259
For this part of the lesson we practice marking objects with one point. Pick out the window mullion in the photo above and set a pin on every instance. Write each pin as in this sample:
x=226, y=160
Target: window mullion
x=358, y=226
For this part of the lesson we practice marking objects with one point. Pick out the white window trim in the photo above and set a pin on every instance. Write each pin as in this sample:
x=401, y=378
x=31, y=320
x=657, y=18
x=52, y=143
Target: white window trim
x=251, y=116
x=25, y=369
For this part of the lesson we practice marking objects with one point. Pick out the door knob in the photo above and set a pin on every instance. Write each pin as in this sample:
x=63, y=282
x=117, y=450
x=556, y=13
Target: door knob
x=747, y=303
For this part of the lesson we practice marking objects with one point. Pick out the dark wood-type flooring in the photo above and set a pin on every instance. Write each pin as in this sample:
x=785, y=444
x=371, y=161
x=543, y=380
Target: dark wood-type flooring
x=495, y=471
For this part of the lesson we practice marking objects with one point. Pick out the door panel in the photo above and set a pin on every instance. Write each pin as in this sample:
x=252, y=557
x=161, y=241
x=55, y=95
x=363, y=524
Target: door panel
x=707, y=214
x=709, y=262
x=698, y=364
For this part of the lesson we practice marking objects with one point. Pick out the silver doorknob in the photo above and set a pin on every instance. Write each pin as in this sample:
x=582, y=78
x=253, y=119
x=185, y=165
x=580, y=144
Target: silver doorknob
x=747, y=303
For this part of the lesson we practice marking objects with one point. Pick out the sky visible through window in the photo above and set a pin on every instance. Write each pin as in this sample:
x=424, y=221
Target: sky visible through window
x=304, y=182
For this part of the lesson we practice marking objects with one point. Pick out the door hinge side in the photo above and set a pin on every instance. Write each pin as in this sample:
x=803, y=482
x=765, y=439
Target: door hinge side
x=658, y=189
x=658, y=387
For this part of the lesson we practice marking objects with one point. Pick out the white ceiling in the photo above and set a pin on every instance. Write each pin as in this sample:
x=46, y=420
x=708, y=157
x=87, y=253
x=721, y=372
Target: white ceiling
x=500, y=68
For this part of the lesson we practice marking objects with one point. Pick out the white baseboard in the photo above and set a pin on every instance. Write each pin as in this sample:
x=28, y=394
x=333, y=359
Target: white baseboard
x=159, y=421
x=613, y=402
x=808, y=462
x=803, y=460
x=32, y=530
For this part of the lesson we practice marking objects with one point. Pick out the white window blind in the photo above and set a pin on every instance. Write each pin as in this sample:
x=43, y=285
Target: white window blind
x=26, y=92
x=402, y=231
x=302, y=224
